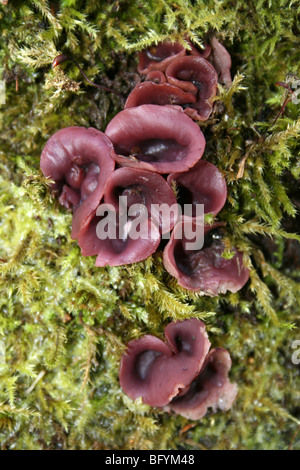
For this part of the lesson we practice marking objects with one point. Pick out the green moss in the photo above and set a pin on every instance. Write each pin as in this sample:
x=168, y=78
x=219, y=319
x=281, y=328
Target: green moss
x=63, y=322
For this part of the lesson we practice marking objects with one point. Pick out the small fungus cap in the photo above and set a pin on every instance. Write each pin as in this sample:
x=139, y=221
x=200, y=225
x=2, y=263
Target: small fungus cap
x=196, y=75
x=158, y=57
x=161, y=94
x=211, y=388
x=201, y=184
x=203, y=270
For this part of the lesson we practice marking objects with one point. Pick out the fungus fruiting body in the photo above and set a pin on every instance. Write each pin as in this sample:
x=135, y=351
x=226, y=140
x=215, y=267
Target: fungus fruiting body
x=158, y=57
x=142, y=187
x=221, y=61
x=138, y=195
x=181, y=374
x=121, y=248
x=204, y=270
x=156, y=76
x=153, y=136
x=157, y=138
x=211, y=388
x=157, y=371
x=79, y=160
x=158, y=93
x=194, y=75
x=201, y=184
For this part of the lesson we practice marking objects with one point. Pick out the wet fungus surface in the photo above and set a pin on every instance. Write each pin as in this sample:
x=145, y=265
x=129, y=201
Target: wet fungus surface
x=145, y=188
x=194, y=75
x=158, y=138
x=201, y=184
x=179, y=374
x=158, y=93
x=158, y=371
x=204, y=270
x=154, y=135
x=159, y=56
x=79, y=160
x=211, y=388
x=121, y=247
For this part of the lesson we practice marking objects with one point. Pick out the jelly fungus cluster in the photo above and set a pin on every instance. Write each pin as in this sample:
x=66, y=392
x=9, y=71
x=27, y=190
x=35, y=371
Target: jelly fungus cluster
x=151, y=145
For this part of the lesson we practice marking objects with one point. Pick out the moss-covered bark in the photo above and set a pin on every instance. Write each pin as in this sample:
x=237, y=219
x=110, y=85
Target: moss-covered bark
x=63, y=322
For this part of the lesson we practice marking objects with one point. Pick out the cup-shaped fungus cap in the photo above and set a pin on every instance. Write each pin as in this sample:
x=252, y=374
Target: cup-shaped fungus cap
x=158, y=57
x=79, y=160
x=156, y=371
x=143, y=187
x=201, y=184
x=158, y=138
x=221, y=61
x=203, y=270
x=161, y=94
x=196, y=75
x=117, y=242
x=211, y=388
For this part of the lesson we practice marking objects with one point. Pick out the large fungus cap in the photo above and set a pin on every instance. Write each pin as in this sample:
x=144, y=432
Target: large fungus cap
x=157, y=138
x=79, y=160
x=161, y=94
x=146, y=188
x=157, y=372
x=211, y=389
x=196, y=75
x=158, y=57
x=203, y=270
x=201, y=184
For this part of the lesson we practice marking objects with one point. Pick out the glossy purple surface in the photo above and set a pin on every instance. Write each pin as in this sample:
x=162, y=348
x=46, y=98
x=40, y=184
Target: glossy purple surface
x=196, y=75
x=158, y=138
x=211, y=388
x=204, y=270
x=161, y=94
x=159, y=56
x=156, y=371
x=79, y=160
x=142, y=187
x=122, y=249
x=201, y=184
